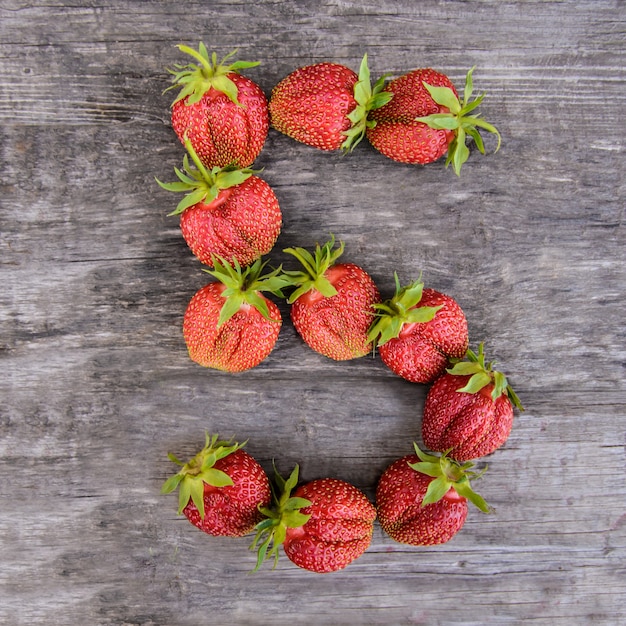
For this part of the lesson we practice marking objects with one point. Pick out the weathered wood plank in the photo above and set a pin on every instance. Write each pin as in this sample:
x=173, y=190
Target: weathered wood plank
x=97, y=386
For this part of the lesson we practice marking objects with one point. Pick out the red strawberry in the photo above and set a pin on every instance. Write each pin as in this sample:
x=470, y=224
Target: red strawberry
x=425, y=119
x=226, y=212
x=220, y=489
x=332, y=307
x=418, y=331
x=421, y=499
x=323, y=527
x=229, y=324
x=326, y=105
x=469, y=410
x=223, y=113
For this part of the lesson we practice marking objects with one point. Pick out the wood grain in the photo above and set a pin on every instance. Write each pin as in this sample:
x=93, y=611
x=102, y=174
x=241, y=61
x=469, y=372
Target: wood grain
x=97, y=386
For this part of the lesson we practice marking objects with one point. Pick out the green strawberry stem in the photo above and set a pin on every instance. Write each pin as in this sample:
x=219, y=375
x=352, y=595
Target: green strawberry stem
x=482, y=374
x=368, y=98
x=244, y=286
x=201, y=184
x=448, y=474
x=401, y=309
x=314, y=268
x=199, y=470
x=285, y=513
x=459, y=121
x=196, y=79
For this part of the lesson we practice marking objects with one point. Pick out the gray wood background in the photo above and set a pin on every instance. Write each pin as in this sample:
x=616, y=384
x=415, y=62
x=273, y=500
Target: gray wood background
x=96, y=384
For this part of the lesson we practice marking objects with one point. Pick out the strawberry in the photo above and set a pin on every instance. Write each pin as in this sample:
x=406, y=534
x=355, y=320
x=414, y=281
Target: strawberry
x=418, y=331
x=226, y=212
x=326, y=105
x=421, y=499
x=425, y=119
x=220, y=489
x=229, y=324
x=469, y=410
x=331, y=308
x=323, y=527
x=223, y=113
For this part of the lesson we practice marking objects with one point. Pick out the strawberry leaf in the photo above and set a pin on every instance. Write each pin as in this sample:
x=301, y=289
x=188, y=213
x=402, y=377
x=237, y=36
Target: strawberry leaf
x=231, y=305
x=191, y=199
x=425, y=457
x=483, y=374
x=228, y=177
x=499, y=386
x=176, y=186
x=367, y=99
x=292, y=481
x=199, y=470
x=216, y=478
x=470, y=106
x=184, y=494
x=460, y=153
x=436, y=490
x=422, y=314
x=447, y=474
x=315, y=266
x=296, y=503
x=440, y=121
x=244, y=286
x=465, y=368
x=294, y=519
x=197, y=495
x=514, y=398
x=200, y=184
x=285, y=513
x=478, y=140
x=430, y=469
x=444, y=96
x=380, y=99
x=464, y=489
x=401, y=309
x=240, y=65
x=476, y=383
x=171, y=483
x=196, y=79
x=260, y=304
x=469, y=86
x=459, y=121
x=226, y=86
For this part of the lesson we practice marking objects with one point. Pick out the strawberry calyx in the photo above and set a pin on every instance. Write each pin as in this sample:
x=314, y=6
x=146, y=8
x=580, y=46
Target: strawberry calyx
x=481, y=375
x=367, y=98
x=448, y=474
x=199, y=470
x=399, y=310
x=315, y=266
x=244, y=286
x=203, y=185
x=195, y=79
x=458, y=120
x=285, y=513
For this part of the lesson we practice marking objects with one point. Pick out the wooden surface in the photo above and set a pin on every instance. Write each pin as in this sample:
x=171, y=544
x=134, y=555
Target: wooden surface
x=97, y=386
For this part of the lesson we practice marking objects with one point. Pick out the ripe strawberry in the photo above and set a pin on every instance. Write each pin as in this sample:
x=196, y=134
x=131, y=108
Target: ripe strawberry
x=223, y=113
x=421, y=499
x=332, y=305
x=469, y=410
x=323, y=527
x=220, y=489
x=418, y=331
x=229, y=324
x=226, y=212
x=425, y=119
x=326, y=105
